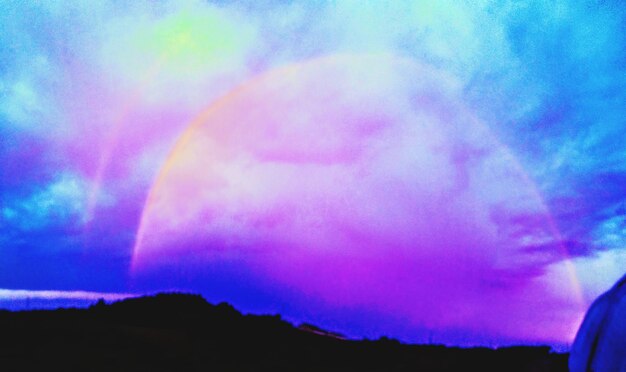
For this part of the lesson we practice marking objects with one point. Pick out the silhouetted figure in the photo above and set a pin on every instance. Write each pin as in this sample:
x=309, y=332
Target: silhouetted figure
x=600, y=344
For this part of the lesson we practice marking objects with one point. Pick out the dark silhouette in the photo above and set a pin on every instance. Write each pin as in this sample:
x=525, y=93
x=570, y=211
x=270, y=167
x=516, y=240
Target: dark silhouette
x=600, y=344
x=179, y=332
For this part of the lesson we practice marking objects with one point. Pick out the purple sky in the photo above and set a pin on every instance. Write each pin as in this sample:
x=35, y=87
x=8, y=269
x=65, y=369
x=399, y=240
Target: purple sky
x=418, y=170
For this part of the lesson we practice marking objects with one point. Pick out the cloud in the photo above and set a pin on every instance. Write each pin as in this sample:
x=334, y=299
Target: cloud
x=24, y=294
x=93, y=96
x=387, y=195
x=60, y=203
x=611, y=233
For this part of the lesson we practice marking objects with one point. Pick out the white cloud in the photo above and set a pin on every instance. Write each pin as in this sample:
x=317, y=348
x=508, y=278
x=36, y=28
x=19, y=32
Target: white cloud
x=599, y=272
x=25, y=294
x=59, y=202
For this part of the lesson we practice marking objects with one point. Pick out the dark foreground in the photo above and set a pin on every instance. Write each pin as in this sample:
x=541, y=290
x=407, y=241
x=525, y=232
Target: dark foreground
x=185, y=333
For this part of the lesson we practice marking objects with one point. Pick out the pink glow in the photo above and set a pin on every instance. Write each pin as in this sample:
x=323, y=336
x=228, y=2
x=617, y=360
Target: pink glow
x=361, y=181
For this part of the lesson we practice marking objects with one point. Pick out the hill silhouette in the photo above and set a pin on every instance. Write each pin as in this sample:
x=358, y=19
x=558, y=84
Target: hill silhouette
x=181, y=332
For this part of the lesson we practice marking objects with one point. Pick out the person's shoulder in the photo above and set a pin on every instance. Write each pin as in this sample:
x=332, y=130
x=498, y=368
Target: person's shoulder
x=600, y=343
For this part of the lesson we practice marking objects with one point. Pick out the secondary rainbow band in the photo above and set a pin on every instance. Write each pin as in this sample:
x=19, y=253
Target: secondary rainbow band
x=194, y=126
x=112, y=139
x=181, y=37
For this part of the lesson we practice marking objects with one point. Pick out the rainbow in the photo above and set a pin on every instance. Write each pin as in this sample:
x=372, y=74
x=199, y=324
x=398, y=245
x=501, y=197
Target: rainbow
x=207, y=118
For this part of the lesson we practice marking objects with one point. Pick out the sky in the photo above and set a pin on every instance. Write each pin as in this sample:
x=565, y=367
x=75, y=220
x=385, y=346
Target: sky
x=444, y=171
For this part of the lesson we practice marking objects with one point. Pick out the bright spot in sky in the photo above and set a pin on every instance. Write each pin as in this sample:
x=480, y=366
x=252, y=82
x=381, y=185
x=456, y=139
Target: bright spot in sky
x=399, y=168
